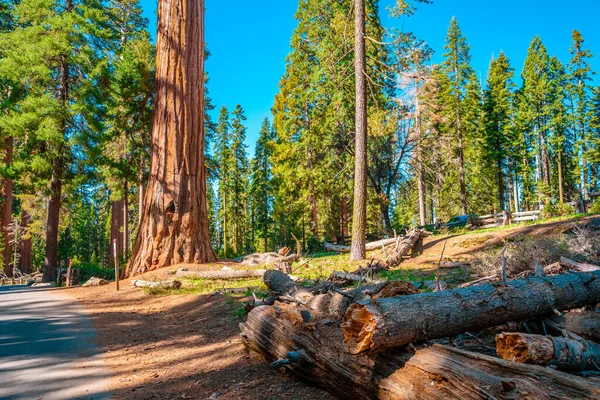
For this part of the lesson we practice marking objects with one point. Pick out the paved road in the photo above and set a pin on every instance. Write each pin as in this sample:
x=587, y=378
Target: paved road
x=47, y=347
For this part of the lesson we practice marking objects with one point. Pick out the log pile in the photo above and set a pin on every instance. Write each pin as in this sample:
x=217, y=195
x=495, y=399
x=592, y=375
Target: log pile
x=374, y=341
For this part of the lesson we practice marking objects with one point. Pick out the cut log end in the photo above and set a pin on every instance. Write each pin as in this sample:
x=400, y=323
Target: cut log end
x=519, y=348
x=358, y=328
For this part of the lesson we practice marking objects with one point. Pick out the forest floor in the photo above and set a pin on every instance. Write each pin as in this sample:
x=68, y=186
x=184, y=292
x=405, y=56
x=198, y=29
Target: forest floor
x=186, y=345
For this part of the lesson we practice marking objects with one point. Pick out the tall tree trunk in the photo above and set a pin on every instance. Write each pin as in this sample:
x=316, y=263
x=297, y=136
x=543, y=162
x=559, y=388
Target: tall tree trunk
x=359, y=217
x=52, y=224
x=141, y=190
x=561, y=197
x=314, y=221
x=461, y=152
x=25, y=262
x=174, y=227
x=116, y=228
x=7, y=195
x=422, y=189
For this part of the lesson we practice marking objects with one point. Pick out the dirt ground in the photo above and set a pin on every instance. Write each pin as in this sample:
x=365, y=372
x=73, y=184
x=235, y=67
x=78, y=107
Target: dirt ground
x=188, y=346
x=466, y=246
x=181, y=347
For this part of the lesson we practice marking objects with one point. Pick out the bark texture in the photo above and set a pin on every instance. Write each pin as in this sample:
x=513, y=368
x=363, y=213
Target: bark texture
x=7, y=197
x=585, y=324
x=389, y=323
x=174, y=225
x=359, y=216
x=25, y=259
x=225, y=275
x=313, y=349
x=404, y=247
x=563, y=353
x=368, y=247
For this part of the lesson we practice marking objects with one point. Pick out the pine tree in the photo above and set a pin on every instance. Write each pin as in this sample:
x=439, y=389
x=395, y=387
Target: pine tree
x=57, y=55
x=261, y=184
x=580, y=75
x=238, y=178
x=499, y=130
x=458, y=74
x=224, y=160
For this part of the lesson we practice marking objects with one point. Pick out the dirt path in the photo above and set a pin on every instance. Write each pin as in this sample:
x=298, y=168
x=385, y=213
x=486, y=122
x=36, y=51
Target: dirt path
x=181, y=347
x=48, y=347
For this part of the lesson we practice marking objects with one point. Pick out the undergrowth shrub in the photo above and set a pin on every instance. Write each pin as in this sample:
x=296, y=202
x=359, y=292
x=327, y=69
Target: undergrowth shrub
x=89, y=270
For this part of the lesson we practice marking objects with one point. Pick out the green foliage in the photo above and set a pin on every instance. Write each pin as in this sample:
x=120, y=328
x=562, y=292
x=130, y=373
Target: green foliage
x=89, y=270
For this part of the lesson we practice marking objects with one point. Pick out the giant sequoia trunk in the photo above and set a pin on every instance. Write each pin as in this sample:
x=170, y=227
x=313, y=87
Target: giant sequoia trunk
x=7, y=197
x=174, y=225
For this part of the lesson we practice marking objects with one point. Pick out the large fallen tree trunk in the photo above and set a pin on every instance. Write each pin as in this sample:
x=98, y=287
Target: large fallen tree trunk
x=224, y=275
x=170, y=284
x=394, y=322
x=585, y=324
x=338, y=248
x=404, y=247
x=313, y=348
x=563, y=353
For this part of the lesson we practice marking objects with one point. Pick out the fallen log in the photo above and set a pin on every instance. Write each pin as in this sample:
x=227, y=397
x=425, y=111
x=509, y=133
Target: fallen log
x=561, y=352
x=585, y=324
x=576, y=266
x=327, y=297
x=347, y=276
x=257, y=259
x=170, y=284
x=338, y=248
x=224, y=275
x=393, y=322
x=313, y=349
x=404, y=247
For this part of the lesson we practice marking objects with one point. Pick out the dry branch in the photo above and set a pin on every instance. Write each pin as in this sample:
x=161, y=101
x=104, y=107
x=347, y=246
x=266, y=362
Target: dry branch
x=404, y=247
x=564, y=353
x=387, y=323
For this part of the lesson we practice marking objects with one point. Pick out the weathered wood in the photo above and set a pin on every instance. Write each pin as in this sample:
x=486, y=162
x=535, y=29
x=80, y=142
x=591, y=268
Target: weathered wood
x=257, y=259
x=170, y=284
x=391, y=322
x=346, y=276
x=368, y=247
x=563, y=353
x=585, y=324
x=404, y=247
x=314, y=351
x=223, y=274
x=576, y=266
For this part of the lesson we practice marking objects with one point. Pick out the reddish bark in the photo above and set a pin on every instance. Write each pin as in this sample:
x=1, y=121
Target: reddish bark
x=174, y=225
x=25, y=262
x=7, y=200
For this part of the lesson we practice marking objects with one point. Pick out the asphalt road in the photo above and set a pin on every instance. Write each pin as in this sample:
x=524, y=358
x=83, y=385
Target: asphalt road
x=48, y=347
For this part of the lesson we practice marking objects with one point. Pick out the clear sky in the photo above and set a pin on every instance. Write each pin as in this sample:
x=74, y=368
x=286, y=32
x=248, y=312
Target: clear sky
x=249, y=40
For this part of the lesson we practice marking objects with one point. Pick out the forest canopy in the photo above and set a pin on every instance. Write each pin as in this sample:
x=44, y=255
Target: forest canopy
x=77, y=90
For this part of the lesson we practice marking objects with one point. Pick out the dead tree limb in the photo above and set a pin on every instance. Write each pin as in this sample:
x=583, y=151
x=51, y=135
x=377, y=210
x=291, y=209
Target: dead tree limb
x=405, y=246
x=171, y=284
x=392, y=322
x=563, y=353
x=585, y=324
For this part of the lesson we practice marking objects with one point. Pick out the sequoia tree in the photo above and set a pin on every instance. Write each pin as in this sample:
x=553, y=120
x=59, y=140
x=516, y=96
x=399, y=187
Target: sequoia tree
x=174, y=223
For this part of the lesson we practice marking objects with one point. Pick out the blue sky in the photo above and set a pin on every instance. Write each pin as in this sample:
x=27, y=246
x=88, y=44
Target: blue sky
x=249, y=40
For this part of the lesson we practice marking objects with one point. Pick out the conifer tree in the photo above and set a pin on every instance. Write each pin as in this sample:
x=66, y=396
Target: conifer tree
x=224, y=161
x=458, y=73
x=580, y=76
x=499, y=130
x=261, y=184
x=238, y=178
x=56, y=54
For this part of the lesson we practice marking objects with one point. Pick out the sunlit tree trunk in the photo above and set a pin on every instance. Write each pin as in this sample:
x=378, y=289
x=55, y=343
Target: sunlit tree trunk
x=359, y=217
x=7, y=200
x=25, y=262
x=174, y=226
